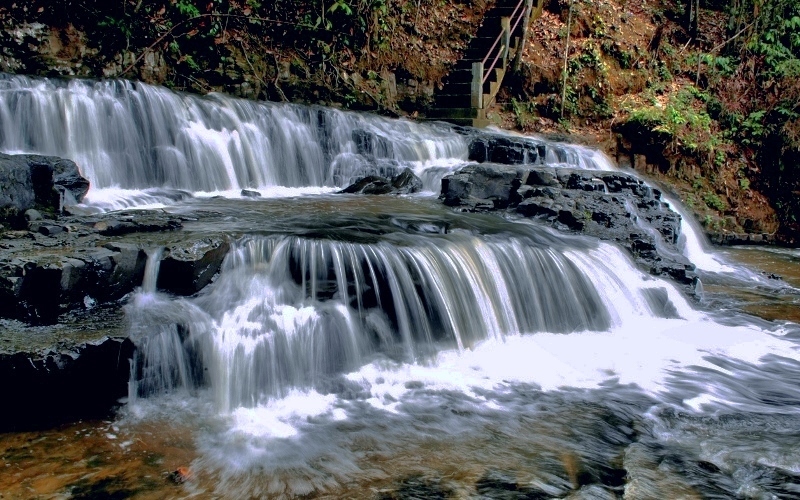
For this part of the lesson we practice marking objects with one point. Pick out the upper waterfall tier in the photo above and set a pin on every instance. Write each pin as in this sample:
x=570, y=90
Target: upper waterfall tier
x=136, y=136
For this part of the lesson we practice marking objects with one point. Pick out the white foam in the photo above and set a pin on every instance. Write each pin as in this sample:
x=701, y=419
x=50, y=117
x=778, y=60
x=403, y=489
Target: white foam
x=647, y=354
x=282, y=418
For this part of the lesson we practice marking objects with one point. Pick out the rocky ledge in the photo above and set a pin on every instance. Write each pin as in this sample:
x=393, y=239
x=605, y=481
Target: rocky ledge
x=64, y=351
x=611, y=206
x=59, y=373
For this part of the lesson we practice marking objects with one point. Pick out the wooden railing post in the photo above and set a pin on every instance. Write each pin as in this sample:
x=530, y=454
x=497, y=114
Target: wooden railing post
x=476, y=94
x=526, y=19
x=505, y=23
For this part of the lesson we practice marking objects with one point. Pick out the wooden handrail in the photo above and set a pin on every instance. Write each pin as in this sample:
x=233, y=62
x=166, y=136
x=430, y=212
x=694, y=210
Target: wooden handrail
x=516, y=17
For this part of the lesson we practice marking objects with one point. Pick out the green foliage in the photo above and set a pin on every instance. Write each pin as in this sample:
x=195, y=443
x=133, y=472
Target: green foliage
x=683, y=121
x=122, y=25
x=341, y=5
x=714, y=201
x=524, y=113
x=588, y=77
x=744, y=183
x=187, y=8
x=752, y=128
x=775, y=41
x=189, y=60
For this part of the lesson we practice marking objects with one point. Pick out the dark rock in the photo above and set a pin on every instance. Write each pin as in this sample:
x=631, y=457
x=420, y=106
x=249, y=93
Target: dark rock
x=542, y=178
x=127, y=263
x=39, y=288
x=743, y=239
x=406, y=182
x=186, y=269
x=29, y=180
x=16, y=190
x=371, y=184
x=608, y=205
x=505, y=150
x=68, y=180
x=477, y=183
x=403, y=183
x=32, y=215
x=56, y=268
x=248, y=193
x=83, y=380
x=50, y=229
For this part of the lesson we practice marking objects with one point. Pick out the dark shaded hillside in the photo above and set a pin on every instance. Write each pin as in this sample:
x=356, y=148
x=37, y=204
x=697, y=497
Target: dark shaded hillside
x=367, y=54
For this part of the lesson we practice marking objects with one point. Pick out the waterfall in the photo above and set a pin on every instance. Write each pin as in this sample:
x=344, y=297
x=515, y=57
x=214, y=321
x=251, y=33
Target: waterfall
x=354, y=346
x=151, y=271
x=163, y=361
x=288, y=312
x=136, y=136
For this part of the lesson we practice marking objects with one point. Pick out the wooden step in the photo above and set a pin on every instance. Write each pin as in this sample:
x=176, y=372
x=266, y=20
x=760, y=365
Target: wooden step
x=463, y=88
x=454, y=113
x=459, y=75
x=453, y=101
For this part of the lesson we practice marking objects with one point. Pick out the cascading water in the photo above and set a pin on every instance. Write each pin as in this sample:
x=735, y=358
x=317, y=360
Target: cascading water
x=135, y=136
x=287, y=311
x=390, y=347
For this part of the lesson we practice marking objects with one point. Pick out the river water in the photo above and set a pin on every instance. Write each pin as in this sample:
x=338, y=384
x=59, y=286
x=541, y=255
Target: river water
x=388, y=347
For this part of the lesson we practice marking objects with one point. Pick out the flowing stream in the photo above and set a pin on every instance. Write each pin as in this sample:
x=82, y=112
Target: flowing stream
x=388, y=347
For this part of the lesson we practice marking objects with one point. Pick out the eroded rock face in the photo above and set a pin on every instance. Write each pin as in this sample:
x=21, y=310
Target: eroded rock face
x=608, y=205
x=64, y=351
x=32, y=180
x=505, y=150
x=80, y=262
x=38, y=287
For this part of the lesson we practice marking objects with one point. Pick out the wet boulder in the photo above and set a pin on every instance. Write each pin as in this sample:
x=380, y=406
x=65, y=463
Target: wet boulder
x=481, y=185
x=371, y=184
x=506, y=150
x=45, y=182
x=186, y=268
x=68, y=180
x=405, y=182
x=249, y=193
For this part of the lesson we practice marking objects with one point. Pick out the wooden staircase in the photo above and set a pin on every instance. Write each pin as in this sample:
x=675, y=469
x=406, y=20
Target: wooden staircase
x=473, y=83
